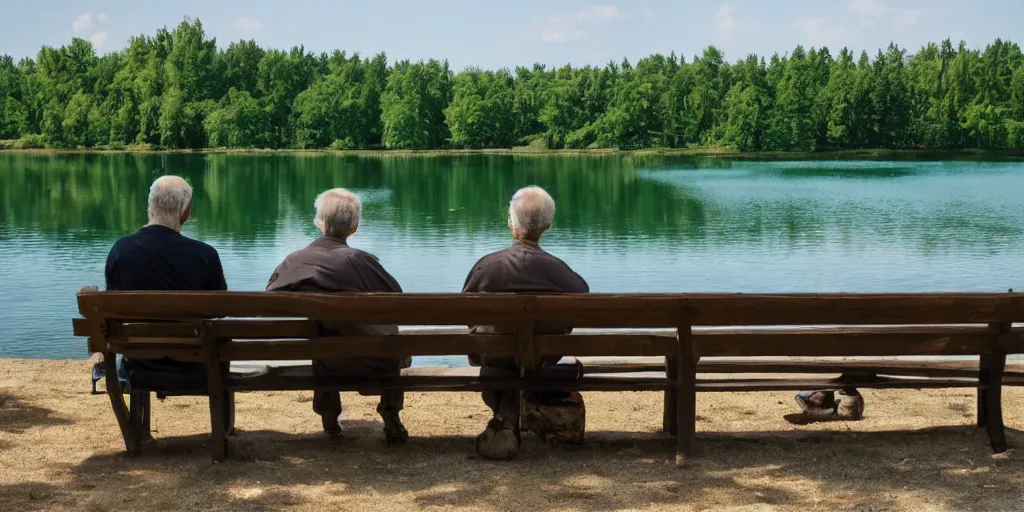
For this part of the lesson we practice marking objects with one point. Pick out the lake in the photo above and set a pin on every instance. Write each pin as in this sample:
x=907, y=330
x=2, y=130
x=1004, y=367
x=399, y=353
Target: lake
x=626, y=223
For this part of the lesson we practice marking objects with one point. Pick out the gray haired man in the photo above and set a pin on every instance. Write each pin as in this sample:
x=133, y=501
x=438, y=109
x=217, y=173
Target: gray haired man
x=525, y=267
x=330, y=265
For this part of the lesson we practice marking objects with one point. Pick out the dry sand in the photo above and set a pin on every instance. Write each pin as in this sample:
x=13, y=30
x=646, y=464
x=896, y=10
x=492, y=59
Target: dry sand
x=915, y=450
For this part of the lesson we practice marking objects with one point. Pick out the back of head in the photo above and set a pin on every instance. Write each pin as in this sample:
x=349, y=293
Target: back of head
x=530, y=213
x=170, y=201
x=337, y=213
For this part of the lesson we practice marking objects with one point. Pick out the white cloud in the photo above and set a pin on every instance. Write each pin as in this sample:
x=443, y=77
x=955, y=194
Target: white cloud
x=99, y=39
x=871, y=11
x=729, y=25
x=872, y=8
x=248, y=27
x=563, y=36
x=863, y=17
x=820, y=32
x=725, y=20
x=86, y=26
x=567, y=27
x=83, y=23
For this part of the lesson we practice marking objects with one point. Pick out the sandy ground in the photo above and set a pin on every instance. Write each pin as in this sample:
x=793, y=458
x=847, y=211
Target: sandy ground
x=915, y=450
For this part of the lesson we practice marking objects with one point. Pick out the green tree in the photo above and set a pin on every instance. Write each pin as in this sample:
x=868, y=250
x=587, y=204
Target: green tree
x=481, y=112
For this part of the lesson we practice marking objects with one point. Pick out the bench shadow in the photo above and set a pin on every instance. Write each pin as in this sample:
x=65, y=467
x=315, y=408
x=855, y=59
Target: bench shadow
x=16, y=416
x=270, y=470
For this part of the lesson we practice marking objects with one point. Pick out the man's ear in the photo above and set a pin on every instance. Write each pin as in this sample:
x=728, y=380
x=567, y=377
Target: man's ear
x=354, y=229
x=188, y=211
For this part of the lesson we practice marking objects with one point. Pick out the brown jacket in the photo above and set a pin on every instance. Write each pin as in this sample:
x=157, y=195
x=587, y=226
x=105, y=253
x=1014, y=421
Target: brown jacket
x=330, y=265
x=523, y=267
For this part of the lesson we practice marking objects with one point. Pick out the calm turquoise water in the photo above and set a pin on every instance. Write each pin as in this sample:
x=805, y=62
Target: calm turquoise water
x=625, y=224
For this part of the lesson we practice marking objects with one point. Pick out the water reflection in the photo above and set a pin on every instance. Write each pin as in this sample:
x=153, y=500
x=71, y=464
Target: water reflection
x=627, y=223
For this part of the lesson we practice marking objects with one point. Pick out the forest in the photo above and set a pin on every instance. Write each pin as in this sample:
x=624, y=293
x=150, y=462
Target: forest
x=178, y=90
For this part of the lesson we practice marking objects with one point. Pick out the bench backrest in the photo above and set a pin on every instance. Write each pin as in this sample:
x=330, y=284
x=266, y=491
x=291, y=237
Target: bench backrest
x=282, y=326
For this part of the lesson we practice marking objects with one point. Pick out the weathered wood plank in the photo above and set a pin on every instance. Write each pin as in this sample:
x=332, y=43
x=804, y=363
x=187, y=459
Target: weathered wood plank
x=606, y=345
x=964, y=368
x=588, y=310
x=733, y=385
x=194, y=355
x=370, y=346
x=817, y=344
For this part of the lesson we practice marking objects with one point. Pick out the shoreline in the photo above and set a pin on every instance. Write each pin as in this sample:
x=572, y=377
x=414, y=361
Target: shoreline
x=60, y=449
x=717, y=153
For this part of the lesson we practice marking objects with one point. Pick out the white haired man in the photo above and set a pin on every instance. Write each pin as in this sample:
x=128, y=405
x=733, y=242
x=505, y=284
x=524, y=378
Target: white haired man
x=330, y=265
x=159, y=257
x=525, y=267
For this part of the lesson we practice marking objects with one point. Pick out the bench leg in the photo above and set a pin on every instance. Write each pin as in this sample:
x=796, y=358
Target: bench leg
x=994, y=403
x=138, y=420
x=984, y=361
x=218, y=428
x=121, y=412
x=229, y=412
x=686, y=397
x=670, y=416
x=216, y=390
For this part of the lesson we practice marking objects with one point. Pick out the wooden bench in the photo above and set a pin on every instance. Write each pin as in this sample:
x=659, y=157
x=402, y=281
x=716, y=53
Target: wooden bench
x=679, y=337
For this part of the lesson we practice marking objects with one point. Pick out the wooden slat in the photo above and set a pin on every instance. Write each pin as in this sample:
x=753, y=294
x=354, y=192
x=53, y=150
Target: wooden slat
x=959, y=368
x=607, y=345
x=808, y=384
x=429, y=383
x=589, y=310
x=821, y=344
x=81, y=326
x=255, y=329
x=371, y=346
x=176, y=354
x=118, y=342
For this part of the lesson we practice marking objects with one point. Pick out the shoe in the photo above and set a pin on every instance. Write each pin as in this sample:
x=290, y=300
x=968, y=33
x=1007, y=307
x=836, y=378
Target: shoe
x=817, y=403
x=499, y=441
x=851, y=404
x=331, y=426
x=395, y=433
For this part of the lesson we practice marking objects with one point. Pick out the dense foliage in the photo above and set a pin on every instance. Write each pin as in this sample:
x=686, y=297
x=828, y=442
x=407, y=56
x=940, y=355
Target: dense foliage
x=177, y=90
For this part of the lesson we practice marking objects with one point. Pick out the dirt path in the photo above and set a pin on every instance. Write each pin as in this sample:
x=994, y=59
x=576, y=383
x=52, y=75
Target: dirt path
x=915, y=450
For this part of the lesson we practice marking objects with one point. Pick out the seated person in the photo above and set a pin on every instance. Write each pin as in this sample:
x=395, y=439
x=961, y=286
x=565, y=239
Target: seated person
x=330, y=265
x=525, y=267
x=159, y=257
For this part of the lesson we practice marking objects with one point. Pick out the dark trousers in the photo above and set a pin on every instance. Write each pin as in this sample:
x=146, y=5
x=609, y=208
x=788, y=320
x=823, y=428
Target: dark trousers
x=505, y=403
x=327, y=403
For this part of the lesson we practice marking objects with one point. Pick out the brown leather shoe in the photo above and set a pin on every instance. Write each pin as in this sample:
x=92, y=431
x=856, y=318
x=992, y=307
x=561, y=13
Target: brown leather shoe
x=395, y=433
x=499, y=441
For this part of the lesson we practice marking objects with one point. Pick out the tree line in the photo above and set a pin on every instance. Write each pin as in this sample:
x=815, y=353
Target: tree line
x=178, y=90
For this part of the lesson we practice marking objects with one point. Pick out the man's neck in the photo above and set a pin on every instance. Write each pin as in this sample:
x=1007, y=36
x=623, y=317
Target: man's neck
x=173, y=227
x=535, y=243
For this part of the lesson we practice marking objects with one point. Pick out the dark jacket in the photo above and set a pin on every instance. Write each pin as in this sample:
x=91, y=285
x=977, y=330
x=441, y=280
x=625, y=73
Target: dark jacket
x=160, y=258
x=522, y=267
x=526, y=268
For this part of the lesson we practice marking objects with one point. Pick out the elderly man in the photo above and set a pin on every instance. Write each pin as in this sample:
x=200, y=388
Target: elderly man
x=525, y=267
x=330, y=265
x=159, y=257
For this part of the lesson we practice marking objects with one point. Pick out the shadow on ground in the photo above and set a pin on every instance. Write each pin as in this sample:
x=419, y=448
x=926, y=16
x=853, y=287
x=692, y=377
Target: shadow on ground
x=951, y=466
x=16, y=416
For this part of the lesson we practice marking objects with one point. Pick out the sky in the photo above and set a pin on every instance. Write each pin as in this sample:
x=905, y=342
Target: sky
x=492, y=34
